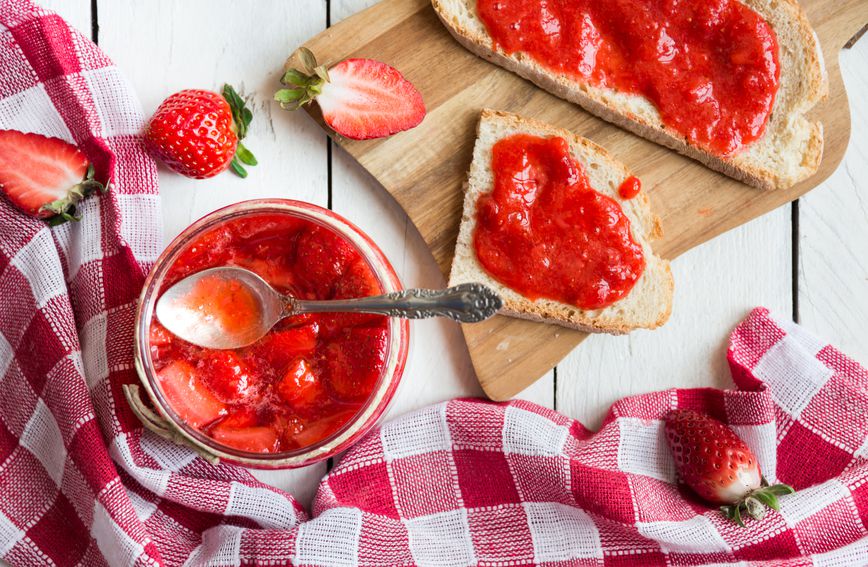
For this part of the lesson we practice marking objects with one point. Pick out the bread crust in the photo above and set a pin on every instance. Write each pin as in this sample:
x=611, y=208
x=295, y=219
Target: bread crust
x=645, y=226
x=595, y=101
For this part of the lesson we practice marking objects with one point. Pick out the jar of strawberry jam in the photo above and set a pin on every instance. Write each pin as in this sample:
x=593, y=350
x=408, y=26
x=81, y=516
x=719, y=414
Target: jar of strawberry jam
x=315, y=383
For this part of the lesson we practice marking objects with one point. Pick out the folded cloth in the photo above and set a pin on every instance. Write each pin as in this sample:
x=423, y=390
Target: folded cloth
x=466, y=482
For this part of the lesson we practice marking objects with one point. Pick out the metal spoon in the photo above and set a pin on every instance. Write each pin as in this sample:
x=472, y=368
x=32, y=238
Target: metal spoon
x=186, y=314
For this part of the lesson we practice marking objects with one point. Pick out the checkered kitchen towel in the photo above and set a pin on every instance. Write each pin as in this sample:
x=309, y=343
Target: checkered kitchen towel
x=461, y=483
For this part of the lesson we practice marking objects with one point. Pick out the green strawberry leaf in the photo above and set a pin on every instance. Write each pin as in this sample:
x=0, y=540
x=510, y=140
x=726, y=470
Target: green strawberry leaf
x=244, y=155
x=781, y=489
x=238, y=168
x=285, y=96
x=767, y=498
x=294, y=77
x=307, y=59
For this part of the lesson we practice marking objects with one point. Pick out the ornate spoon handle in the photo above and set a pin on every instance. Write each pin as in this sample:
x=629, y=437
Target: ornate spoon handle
x=466, y=303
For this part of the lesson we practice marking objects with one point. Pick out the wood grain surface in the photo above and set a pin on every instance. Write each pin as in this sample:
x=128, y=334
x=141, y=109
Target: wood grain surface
x=424, y=168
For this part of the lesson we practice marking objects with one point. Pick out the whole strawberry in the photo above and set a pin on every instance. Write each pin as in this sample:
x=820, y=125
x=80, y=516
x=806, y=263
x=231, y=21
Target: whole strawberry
x=360, y=99
x=198, y=133
x=712, y=460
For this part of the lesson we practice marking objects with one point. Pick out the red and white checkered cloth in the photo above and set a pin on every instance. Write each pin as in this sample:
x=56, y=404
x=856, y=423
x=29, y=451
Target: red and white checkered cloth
x=461, y=483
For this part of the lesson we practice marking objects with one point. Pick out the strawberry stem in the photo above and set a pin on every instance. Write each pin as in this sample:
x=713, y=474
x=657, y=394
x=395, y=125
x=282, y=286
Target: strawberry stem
x=754, y=504
x=64, y=210
x=304, y=85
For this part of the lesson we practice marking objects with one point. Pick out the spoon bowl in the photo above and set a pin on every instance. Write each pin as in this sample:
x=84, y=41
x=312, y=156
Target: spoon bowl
x=196, y=308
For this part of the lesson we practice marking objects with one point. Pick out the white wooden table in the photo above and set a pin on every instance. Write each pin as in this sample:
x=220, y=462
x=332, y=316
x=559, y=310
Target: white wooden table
x=808, y=261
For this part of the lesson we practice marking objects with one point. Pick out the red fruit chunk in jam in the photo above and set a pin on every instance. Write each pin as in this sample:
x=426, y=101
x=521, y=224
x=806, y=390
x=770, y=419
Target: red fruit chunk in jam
x=209, y=250
x=258, y=439
x=275, y=272
x=357, y=280
x=299, y=385
x=322, y=259
x=227, y=375
x=279, y=348
x=188, y=395
x=353, y=362
x=240, y=416
x=158, y=335
x=322, y=428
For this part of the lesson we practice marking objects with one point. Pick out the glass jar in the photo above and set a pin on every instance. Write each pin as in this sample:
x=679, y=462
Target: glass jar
x=166, y=421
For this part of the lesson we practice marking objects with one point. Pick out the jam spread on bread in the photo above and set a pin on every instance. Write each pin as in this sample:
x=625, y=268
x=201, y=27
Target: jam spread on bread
x=710, y=67
x=310, y=374
x=630, y=187
x=546, y=233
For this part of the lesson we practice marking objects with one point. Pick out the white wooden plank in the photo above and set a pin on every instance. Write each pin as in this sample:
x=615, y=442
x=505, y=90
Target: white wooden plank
x=166, y=46
x=439, y=367
x=75, y=12
x=833, y=271
x=716, y=285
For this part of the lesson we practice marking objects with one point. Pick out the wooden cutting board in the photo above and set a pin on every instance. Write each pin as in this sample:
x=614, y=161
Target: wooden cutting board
x=424, y=168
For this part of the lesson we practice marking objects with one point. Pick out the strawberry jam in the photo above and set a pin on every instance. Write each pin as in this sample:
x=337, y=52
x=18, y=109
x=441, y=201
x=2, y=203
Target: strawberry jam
x=310, y=374
x=630, y=187
x=710, y=67
x=546, y=233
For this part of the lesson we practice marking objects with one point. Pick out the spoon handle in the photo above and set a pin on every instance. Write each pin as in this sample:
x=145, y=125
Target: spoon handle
x=466, y=303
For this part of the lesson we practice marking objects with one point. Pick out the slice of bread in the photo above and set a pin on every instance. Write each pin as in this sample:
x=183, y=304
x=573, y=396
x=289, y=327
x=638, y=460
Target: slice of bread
x=648, y=304
x=789, y=150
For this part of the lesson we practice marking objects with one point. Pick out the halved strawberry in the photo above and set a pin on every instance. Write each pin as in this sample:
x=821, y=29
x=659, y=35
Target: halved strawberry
x=353, y=362
x=359, y=98
x=299, y=385
x=258, y=439
x=188, y=395
x=44, y=177
x=227, y=375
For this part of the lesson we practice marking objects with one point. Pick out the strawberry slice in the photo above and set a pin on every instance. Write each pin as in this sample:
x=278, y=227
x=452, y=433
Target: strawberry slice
x=227, y=375
x=44, y=177
x=252, y=439
x=299, y=385
x=188, y=395
x=360, y=99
